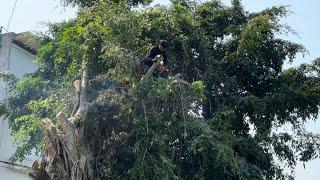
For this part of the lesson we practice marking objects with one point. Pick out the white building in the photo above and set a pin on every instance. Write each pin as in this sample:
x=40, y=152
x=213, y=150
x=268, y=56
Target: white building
x=17, y=55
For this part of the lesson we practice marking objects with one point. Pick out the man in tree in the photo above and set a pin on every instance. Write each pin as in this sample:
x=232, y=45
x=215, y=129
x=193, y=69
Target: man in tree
x=156, y=51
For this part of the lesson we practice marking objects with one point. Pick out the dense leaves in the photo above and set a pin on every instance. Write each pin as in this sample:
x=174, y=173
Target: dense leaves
x=222, y=126
x=88, y=3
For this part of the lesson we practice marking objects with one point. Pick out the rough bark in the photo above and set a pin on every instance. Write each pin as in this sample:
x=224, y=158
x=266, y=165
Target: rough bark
x=63, y=156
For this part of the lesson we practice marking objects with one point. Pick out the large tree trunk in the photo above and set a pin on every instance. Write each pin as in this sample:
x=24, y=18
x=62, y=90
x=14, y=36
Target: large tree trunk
x=63, y=156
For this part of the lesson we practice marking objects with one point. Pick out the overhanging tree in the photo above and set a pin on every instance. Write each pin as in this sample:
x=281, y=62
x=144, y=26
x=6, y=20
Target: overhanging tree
x=125, y=128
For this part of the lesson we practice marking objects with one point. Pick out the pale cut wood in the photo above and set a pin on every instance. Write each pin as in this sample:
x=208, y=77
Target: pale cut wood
x=152, y=68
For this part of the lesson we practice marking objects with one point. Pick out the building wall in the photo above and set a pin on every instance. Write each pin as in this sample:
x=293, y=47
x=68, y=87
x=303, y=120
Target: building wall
x=10, y=172
x=19, y=62
x=5, y=49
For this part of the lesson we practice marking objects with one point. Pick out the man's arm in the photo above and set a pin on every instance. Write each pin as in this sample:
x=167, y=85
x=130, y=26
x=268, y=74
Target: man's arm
x=165, y=60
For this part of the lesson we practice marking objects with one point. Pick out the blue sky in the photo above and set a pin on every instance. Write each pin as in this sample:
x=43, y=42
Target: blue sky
x=31, y=15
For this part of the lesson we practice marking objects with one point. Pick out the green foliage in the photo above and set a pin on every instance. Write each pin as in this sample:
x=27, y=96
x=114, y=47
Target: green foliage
x=2, y=109
x=151, y=130
x=89, y=3
x=7, y=77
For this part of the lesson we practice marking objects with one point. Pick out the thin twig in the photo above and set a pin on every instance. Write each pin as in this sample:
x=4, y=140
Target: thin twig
x=183, y=115
x=145, y=113
x=144, y=155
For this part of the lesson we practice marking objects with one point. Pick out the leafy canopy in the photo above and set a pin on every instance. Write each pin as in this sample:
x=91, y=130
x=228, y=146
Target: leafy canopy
x=234, y=60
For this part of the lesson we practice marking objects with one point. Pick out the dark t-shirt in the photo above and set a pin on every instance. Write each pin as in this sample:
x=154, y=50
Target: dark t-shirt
x=153, y=53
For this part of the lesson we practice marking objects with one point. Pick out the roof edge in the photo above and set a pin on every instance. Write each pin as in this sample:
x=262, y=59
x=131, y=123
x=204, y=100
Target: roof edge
x=24, y=46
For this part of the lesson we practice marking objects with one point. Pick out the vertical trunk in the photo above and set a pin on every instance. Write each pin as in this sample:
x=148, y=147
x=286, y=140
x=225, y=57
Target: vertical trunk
x=84, y=104
x=65, y=157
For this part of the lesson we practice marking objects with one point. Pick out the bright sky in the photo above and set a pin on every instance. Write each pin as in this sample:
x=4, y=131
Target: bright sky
x=30, y=15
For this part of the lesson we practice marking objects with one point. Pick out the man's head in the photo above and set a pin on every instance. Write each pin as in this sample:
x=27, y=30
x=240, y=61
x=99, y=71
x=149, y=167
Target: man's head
x=163, y=45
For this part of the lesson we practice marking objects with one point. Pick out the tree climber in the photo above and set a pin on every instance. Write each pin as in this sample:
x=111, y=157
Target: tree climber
x=156, y=51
